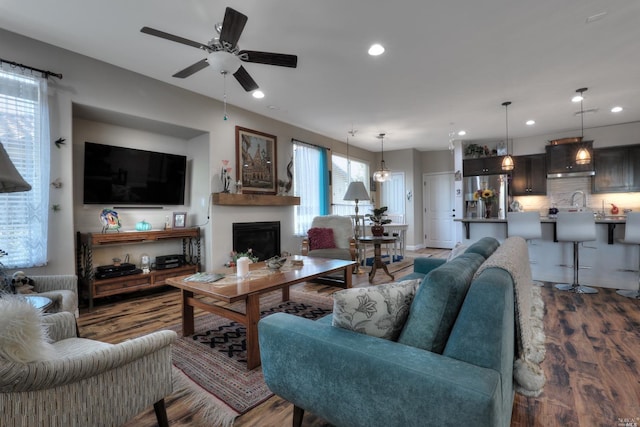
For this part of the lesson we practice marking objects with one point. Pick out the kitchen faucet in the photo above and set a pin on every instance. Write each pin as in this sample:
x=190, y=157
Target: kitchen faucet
x=584, y=198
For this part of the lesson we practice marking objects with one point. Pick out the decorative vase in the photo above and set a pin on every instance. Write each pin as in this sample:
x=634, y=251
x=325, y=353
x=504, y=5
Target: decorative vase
x=377, y=230
x=487, y=209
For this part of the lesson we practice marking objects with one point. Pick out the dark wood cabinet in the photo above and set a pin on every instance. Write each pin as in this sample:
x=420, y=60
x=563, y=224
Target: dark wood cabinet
x=617, y=169
x=561, y=158
x=529, y=175
x=482, y=166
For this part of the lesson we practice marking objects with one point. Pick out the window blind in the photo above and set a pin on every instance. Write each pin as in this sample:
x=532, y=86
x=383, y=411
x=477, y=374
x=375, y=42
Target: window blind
x=24, y=133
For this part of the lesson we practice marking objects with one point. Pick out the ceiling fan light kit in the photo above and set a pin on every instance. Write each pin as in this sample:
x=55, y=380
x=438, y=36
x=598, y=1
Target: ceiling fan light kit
x=223, y=51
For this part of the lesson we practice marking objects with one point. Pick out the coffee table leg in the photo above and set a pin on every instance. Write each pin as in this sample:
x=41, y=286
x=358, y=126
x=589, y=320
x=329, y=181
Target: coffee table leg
x=285, y=293
x=253, y=316
x=187, y=314
x=348, y=271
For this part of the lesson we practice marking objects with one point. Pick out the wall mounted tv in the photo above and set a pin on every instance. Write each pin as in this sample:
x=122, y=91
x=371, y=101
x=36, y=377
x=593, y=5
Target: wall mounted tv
x=126, y=176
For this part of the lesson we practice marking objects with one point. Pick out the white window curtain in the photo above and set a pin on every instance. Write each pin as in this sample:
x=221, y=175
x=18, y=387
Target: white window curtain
x=345, y=171
x=24, y=133
x=309, y=183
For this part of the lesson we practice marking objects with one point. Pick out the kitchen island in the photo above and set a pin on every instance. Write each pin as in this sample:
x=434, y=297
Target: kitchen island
x=604, y=262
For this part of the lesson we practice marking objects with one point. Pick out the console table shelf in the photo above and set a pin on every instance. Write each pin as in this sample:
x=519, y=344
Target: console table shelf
x=99, y=288
x=231, y=199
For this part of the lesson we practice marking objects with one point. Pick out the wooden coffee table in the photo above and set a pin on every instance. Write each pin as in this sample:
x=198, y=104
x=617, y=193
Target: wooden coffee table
x=260, y=281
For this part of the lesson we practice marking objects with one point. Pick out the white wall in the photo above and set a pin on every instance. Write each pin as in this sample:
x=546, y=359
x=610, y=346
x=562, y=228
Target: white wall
x=95, y=84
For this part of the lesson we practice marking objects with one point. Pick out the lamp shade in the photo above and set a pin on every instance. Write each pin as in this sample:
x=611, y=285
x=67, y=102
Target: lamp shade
x=10, y=179
x=356, y=191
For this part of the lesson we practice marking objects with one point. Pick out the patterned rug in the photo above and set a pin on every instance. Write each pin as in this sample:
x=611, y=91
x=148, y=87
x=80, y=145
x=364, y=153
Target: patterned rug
x=211, y=364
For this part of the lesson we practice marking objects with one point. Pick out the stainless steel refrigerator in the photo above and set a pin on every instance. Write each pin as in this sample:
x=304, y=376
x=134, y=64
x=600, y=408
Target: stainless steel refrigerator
x=475, y=208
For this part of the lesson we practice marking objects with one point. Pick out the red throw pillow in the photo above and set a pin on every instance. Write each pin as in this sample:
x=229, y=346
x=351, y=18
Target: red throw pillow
x=321, y=238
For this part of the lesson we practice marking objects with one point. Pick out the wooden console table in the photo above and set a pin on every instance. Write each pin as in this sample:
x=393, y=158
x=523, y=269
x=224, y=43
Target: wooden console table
x=99, y=288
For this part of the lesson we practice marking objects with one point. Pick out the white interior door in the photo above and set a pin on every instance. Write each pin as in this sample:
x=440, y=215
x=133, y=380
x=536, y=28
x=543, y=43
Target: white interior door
x=439, y=210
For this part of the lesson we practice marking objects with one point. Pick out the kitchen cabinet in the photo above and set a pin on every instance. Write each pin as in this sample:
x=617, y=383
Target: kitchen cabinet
x=529, y=176
x=561, y=158
x=617, y=169
x=482, y=166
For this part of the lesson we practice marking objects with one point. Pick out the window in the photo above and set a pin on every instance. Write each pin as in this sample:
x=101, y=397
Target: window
x=344, y=172
x=24, y=133
x=310, y=183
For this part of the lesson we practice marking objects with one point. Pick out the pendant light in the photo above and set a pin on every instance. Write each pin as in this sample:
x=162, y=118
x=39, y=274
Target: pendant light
x=583, y=157
x=507, y=161
x=383, y=174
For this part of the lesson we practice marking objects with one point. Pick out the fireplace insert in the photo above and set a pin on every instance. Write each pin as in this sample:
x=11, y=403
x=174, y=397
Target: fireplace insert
x=263, y=238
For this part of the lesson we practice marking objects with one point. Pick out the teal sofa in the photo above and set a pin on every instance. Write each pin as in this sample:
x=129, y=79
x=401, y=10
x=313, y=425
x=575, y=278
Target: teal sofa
x=352, y=379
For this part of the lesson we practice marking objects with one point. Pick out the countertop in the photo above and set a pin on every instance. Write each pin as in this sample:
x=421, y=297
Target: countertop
x=613, y=219
x=610, y=221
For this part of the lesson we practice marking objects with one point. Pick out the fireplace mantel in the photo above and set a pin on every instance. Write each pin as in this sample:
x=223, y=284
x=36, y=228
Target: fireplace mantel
x=231, y=199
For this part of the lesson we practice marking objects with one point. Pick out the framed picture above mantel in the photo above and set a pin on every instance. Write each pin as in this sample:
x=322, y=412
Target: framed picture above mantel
x=256, y=161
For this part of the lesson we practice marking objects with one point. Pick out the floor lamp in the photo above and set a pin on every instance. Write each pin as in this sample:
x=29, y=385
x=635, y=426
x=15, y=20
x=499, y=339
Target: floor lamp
x=356, y=192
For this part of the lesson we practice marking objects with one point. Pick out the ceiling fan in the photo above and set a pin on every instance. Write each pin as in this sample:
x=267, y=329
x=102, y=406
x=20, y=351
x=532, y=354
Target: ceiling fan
x=224, y=53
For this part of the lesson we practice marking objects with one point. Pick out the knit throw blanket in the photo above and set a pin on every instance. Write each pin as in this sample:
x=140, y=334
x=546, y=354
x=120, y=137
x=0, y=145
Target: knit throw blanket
x=513, y=257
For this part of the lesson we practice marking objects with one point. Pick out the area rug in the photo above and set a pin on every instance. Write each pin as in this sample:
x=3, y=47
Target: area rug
x=211, y=364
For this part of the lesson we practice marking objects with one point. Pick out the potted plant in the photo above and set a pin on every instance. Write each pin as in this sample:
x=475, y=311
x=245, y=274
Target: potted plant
x=378, y=220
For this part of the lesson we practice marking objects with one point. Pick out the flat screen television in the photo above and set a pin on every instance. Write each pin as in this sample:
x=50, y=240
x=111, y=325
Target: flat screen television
x=126, y=176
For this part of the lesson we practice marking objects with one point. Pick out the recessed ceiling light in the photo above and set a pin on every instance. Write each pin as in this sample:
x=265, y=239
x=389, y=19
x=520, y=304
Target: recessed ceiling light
x=258, y=94
x=530, y=122
x=376, y=49
x=462, y=133
x=616, y=109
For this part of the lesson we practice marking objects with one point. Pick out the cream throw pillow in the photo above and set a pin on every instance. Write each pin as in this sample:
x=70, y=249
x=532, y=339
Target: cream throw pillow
x=23, y=337
x=379, y=311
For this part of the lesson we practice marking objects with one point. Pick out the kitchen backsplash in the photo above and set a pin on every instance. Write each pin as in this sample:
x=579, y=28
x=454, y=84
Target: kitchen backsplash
x=559, y=192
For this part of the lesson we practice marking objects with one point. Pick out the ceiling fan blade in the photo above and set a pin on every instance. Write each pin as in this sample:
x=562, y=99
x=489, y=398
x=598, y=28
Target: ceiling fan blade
x=269, y=58
x=192, y=69
x=173, y=38
x=243, y=77
x=232, y=26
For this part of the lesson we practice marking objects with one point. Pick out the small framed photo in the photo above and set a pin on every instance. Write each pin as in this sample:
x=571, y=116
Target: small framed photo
x=179, y=219
x=256, y=161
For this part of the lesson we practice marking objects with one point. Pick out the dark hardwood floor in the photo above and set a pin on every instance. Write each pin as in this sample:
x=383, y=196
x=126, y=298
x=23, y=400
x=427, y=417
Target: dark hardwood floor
x=592, y=363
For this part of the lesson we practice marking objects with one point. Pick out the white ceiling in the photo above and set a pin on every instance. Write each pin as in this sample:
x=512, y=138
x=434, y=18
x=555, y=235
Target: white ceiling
x=446, y=62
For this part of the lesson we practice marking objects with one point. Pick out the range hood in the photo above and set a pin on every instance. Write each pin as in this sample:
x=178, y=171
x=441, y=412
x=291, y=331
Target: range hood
x=561, y=160
x=570, y=174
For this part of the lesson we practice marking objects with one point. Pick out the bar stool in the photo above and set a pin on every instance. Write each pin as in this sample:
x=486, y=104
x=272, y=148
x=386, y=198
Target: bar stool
x=576, y=228
x=632, y=236
x=526, y=225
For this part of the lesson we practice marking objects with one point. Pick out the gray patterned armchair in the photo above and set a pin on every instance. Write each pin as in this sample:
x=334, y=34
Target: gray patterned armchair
x=87, y=383
x=61, y=288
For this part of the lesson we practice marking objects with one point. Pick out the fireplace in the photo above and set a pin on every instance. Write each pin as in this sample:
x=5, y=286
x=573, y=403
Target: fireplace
x=263, y=238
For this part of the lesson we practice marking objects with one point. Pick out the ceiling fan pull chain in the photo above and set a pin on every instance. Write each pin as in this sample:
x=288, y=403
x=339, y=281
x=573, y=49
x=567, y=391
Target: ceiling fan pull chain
x=224, y=78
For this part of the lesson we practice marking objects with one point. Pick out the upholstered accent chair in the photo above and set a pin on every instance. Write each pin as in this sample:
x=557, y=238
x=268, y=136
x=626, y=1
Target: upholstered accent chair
x=342, y=245
x=82, y=382
x=61, y=289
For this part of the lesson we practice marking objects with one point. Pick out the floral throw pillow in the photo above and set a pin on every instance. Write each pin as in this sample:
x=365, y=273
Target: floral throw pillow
x=321, y=238
x=379, y=311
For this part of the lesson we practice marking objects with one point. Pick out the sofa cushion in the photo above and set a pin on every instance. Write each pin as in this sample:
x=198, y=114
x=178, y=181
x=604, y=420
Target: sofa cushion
x=342, y=228
x=379, y=311
x=485, y=247
x=437, y=302
x=458, y=250
x=321, y=238
x=23, y=336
